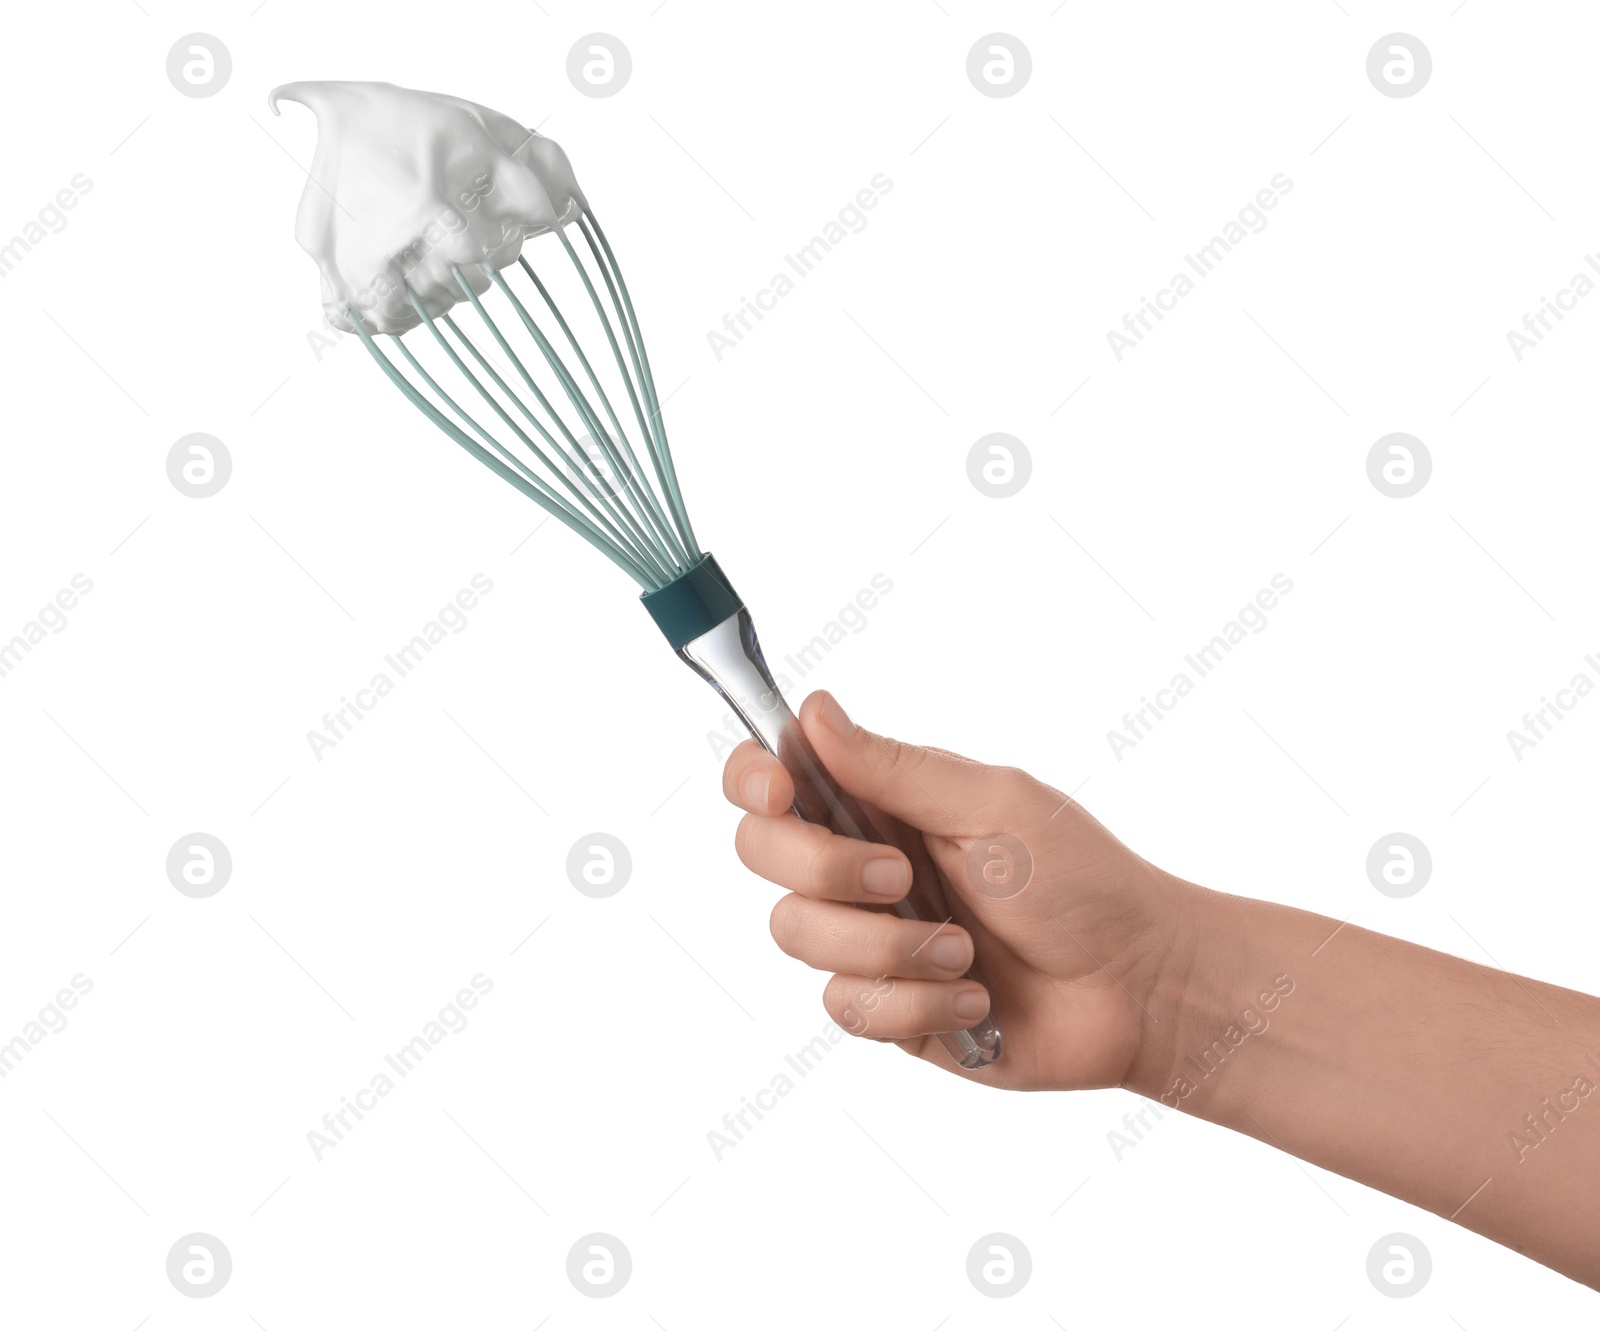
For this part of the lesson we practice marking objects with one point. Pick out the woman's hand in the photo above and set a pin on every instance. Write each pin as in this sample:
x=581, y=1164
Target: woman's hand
x=1075, y=936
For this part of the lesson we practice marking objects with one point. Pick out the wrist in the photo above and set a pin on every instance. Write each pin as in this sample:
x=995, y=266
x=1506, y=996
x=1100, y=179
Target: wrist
x=1214, y=988
x=1172, y=955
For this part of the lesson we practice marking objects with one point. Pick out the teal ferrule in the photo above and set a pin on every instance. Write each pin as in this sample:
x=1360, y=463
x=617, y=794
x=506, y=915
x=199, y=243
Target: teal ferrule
x=693, y=603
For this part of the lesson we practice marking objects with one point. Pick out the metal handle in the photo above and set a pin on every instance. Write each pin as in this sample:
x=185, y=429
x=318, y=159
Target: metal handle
x=729, y=658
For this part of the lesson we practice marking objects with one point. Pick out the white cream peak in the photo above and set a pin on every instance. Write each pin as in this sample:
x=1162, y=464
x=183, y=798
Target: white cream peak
x=407, y=186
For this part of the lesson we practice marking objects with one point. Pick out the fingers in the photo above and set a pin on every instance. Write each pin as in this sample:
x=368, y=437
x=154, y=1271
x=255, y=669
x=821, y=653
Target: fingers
x=833, y=937
x=800, y=856
x=893, y=1009
x=755, y=781
x=810, y=860
x=931, y=789
x=919, y=991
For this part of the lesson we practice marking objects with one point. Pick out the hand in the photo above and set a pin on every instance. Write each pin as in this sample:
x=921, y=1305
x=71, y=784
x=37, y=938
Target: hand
x=1071, y=961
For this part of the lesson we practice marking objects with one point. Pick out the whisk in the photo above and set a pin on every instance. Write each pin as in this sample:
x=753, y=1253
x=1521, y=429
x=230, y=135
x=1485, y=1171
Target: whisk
x=579, y=463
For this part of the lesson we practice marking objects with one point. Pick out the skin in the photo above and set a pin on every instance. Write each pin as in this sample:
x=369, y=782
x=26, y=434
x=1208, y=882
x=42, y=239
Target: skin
x=1321, y=1039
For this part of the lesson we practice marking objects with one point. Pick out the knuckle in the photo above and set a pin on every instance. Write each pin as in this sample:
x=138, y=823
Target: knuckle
x=822, y=873
x=1015, y=784
x=731, y=772
x=787, y=925
x=899, y=754
x=839, y=868
x=1007, y=797
x=860, y=1006
x=1010, y=778
x=836, y=1000
x=886, y=946
x=744, y=837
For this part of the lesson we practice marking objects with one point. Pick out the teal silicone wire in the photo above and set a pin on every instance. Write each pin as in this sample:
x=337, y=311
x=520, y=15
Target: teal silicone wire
x=664, y=519
x=586, y=412
x=642, y=557
x=622, y=370
x=597, y=518
x=675, y=494
x=645, y=501
x=527, y=379
x=578, y=457
x=652, y=426
x=637, y=520
x=557, y=510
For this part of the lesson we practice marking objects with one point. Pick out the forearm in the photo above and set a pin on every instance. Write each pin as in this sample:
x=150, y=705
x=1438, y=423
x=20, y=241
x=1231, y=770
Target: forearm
x=1459, y=1088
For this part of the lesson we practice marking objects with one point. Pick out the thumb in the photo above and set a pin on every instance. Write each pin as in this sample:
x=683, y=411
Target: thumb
x=931, y=789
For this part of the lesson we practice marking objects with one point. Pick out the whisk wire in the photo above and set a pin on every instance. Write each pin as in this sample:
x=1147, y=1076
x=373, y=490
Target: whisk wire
x=634, y=472
x=638, y=555
x=626, y=476
x=662, y=453
x=635, y=346
x=597, y=518
x=636, y=520
x=575, y=456
x=651, y=438
x=586, y=530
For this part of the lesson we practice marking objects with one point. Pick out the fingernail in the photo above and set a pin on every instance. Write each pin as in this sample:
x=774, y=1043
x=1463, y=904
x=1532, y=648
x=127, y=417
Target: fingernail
x=948, y=953
x=757, y=787
x=833, y=717
x=970, y=1005
x=887, y=877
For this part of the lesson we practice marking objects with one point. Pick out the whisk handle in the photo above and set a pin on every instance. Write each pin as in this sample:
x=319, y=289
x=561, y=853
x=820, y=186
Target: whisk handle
x=728, y=656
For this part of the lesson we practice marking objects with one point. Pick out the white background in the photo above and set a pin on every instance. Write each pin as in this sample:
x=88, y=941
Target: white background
x=829, y=446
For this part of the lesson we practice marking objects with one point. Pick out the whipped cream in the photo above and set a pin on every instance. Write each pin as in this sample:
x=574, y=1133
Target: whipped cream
x=405, y=186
